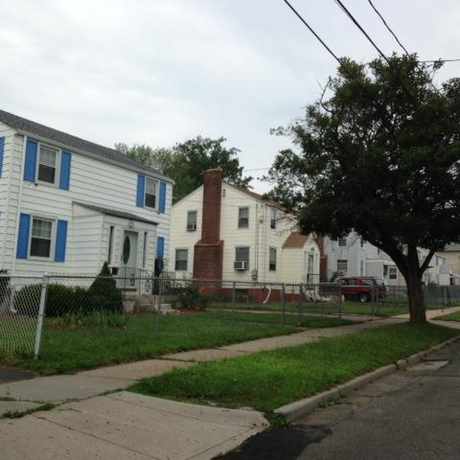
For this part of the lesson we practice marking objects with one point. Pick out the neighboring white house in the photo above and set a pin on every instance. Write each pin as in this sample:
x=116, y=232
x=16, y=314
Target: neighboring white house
x=353, y=256
x=68, y=205
x=221, y=231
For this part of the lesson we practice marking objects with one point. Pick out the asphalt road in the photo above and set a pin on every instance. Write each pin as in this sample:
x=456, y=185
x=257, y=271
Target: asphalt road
x=412, y=414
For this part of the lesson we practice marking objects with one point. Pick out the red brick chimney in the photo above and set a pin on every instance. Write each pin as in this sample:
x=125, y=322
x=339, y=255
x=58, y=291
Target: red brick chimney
x=323, y=263
x=208, y=252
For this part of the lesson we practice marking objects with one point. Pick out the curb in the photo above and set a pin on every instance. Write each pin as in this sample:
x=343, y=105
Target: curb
x=297, y=409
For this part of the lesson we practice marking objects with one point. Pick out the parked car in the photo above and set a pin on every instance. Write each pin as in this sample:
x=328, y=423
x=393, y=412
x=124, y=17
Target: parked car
x=362, y=288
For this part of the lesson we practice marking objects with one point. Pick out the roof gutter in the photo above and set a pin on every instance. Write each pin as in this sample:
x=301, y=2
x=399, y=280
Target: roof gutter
x=96, y=157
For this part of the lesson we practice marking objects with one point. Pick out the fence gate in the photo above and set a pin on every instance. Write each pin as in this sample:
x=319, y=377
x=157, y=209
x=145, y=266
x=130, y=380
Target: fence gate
x=22, y=303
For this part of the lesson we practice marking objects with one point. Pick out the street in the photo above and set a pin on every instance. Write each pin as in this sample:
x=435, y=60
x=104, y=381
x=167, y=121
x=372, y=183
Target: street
x=412, y=414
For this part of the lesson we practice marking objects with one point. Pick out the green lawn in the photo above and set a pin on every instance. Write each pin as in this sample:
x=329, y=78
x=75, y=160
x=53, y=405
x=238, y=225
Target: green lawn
x=268, y=380
x=68, y=350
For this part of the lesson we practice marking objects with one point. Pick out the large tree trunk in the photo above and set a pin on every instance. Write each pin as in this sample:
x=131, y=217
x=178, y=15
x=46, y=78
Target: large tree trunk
x=415, y=288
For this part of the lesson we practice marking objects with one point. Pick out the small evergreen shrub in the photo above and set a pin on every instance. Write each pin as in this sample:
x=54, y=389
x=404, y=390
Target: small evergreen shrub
x=190, y=298
x=104, y=292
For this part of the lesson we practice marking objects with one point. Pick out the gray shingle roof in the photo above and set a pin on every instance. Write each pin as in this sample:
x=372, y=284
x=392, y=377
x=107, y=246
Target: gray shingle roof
x=72, y=142
x=116, y=213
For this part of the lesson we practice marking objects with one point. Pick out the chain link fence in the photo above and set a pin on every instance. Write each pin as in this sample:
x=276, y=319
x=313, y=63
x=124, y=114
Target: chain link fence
x=32, y=307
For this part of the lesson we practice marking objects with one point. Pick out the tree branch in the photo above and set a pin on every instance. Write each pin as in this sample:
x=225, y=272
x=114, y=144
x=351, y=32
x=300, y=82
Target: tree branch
x=426, y=262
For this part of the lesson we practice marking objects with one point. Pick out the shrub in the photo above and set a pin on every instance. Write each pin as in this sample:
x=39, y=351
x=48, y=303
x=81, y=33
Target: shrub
x=4, y=285
x=104, y=292
x=190, y=298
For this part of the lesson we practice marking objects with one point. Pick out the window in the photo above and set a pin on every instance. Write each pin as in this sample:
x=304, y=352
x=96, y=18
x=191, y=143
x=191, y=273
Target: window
x=342, y=266
x=362, y=242
x=393, y=273
x=40, y=243
x=181, y=259
x=151, y=193
x=242, y=258
x=47, y=164
x=272, y=260
x=109, y=255
x=342, y=241
x=192, y=217
x=243, y=217
x=273, y=218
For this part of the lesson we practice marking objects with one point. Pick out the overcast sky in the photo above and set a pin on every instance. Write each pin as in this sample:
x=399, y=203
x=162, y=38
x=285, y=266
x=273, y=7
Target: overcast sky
x=162, y=71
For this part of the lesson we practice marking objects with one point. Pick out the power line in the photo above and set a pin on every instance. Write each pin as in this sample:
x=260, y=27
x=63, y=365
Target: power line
x=358, y=25
x=312, y=31
x=388, y=27
x=440, y=60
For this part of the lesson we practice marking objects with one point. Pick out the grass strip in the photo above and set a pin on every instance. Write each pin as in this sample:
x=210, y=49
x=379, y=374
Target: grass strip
x=451, y=317
x=268, y=380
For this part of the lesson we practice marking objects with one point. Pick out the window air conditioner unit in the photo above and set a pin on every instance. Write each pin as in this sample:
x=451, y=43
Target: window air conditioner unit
x=191, y=227
x=241, y=265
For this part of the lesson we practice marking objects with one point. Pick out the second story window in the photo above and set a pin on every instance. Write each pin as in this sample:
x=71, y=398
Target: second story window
x=151, y=193
x=192, y=217
x=273, y=218
x=40, y=242
x=243, y=217
x=47, y=164
x=342, y=242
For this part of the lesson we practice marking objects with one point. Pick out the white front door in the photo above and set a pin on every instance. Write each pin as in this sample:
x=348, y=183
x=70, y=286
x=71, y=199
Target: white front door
x=129, y=259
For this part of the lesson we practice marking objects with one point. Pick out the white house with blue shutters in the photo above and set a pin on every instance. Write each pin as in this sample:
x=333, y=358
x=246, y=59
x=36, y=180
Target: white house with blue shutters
x=68, y=205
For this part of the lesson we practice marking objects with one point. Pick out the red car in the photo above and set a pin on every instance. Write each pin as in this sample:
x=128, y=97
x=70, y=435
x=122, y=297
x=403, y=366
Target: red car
x=362, y=288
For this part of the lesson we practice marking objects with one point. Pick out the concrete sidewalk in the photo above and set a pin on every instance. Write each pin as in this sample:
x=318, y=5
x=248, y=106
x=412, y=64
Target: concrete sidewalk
x=127, y=426
x=87, y=384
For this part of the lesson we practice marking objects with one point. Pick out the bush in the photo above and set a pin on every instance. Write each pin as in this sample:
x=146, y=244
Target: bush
x=104, y=292
x=4, y=285
x=190, y=298
x=93, y=319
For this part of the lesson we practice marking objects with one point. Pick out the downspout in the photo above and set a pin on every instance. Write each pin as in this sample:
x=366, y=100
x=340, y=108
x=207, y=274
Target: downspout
x=21, y=181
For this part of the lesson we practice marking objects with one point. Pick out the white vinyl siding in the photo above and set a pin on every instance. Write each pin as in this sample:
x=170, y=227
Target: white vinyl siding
x=94, y=182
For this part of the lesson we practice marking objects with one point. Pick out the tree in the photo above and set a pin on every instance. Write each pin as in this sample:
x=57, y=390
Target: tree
x=380, y=153
x=186, y=161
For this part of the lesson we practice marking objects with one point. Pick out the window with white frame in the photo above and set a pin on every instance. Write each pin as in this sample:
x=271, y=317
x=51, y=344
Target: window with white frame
x=342, y=266
x=243, y=217
x=47, y=164
x=273, y=218
x=151, y=189
x=192, y=218
x=342, y=241
x=392, y=273
x=41, y=238
x=272, y=260
x=181, y=260
x=242, y=258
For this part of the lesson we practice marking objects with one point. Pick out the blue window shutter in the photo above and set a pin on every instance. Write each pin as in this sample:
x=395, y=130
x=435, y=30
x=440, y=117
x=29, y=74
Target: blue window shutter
x=160, y=247
x=2, y=152
x=64, y=180
x=23, y=236
x=162, y=197
x=140, y=197
x=30, y=165
x=61, y=241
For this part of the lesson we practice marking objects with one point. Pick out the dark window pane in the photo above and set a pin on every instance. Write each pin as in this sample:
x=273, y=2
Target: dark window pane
x=40, y=247
x=150, y=200
x=46, y=173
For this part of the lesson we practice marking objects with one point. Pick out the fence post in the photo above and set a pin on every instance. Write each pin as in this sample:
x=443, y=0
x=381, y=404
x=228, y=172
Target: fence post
x=283, y=293
x=234, y=292
x=41, y=314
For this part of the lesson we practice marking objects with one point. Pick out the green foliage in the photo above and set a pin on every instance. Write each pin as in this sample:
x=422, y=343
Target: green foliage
x=104, y=292
x=190, y=298
x=100, y=319
x=186, y=161
x=4, y=285
x=379, y=153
